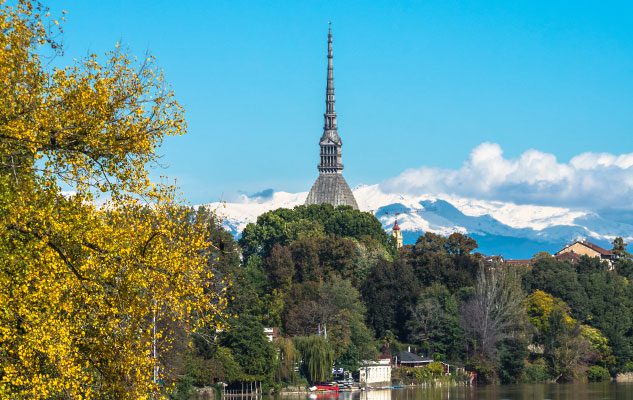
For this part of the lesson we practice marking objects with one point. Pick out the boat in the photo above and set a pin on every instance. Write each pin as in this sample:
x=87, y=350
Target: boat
x=324, y=388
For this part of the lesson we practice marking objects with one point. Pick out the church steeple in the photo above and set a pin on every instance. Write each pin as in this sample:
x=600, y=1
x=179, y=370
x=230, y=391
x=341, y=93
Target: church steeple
x=331, y=155
x=397, y=234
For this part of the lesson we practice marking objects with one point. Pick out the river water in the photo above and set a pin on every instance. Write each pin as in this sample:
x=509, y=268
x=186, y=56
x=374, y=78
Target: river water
x=514, y=392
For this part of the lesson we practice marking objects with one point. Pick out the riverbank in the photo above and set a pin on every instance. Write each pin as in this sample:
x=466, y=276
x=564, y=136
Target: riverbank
x=579, y=391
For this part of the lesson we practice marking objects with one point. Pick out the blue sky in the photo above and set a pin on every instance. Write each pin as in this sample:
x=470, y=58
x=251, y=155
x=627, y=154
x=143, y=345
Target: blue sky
x=419, y=84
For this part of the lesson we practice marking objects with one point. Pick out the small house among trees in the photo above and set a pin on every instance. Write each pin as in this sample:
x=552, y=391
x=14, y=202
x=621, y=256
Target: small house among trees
x=580, y=248
x=409, y=359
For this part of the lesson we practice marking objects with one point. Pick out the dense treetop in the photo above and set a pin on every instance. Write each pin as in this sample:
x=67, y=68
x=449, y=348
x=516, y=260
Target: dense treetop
x=282, y=226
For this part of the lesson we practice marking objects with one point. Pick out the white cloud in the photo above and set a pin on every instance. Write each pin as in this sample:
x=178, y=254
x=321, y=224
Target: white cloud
x=592, y=180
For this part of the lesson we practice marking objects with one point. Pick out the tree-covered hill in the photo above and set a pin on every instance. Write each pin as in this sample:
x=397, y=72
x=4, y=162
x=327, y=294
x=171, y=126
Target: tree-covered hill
x=314, y=269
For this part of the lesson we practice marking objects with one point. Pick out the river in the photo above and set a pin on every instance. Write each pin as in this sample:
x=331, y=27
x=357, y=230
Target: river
x=492, y=392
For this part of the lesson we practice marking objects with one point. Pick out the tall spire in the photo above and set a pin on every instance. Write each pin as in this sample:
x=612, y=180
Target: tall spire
x=330, y=187
x=330, y=113
x=331, y=155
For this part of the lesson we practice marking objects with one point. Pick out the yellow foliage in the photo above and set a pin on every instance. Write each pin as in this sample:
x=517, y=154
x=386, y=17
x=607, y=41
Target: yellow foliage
x=596, y=338
x=540, y=306
x=86, y=290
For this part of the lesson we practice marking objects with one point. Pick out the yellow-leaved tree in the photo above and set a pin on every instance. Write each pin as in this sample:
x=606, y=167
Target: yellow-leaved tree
x=97, y=264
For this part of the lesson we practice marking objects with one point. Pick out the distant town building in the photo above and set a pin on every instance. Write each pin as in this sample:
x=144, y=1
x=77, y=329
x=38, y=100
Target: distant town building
x=397, y=234
x=574, y=251
x=518, y=263
x=271, y=333
x=493, y=261
x=570, y=253
x=330, y=187
x=412, y=360
x=375, y=372
x=408, y=359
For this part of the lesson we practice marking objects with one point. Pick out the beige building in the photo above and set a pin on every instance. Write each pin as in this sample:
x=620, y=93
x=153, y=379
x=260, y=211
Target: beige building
x=580, y=248
x=375, y=372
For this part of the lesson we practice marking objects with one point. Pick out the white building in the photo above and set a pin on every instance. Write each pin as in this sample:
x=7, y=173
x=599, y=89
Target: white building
x=271, y=333
x=375, y=372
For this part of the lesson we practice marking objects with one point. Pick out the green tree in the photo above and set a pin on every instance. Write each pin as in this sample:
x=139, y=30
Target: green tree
x=565, y=349
x=390, y=292
x=435, y=258
x=336, y=306
x=368, y=254
x=280, y=267
x=619, y=248
x=596, y=373
x=283, y=226
x=561, y=280
x=513, y=352
x=317, y=357
x=460, y=244
x=288, y=358
x=624, y=267
x=350, y=359
x=435, y=323
x=609, y=308
x=210, y=367
x=568, y=346
x=250, y=348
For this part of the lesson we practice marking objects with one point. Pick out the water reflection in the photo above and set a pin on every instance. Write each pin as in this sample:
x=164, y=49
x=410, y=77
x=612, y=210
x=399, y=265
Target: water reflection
x=377, y=394
x=509, y=392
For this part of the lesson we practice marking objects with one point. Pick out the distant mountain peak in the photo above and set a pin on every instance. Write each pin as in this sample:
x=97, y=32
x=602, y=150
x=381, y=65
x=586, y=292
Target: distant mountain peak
x=516, y=231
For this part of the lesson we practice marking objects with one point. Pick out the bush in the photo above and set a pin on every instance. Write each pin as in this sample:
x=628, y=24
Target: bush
x=628, y=367
x=485, y=369
x=598, y=374
x=536, y=372
x=411, y=376
x=184, y=389
x=435, y=368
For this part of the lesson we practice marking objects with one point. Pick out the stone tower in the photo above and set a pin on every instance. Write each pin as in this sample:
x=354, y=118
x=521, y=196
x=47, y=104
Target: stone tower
x=330, y=187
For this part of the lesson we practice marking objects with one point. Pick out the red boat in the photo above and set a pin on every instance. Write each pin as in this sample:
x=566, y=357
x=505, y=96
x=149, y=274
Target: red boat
x=326, y=388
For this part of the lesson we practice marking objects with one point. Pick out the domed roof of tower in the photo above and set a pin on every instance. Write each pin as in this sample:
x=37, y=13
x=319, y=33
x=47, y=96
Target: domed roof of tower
x=395, y=226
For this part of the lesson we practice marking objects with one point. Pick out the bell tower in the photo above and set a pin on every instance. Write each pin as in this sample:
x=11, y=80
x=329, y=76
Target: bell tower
x=397, y=234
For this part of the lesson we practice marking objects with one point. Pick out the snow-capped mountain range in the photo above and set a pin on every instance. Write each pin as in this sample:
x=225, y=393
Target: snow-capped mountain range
x=512, y=230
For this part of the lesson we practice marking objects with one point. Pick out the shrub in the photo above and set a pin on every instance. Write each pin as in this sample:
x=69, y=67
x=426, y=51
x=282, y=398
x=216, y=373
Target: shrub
x=596, y=373
x=628, y=367
x=536, y=372
x=435, y=368
x=485, y=369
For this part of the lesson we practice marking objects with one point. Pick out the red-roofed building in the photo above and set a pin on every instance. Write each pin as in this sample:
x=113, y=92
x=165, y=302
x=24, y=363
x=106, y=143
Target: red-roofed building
x=395, y=232
x=574, y=251
x=518, y=263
